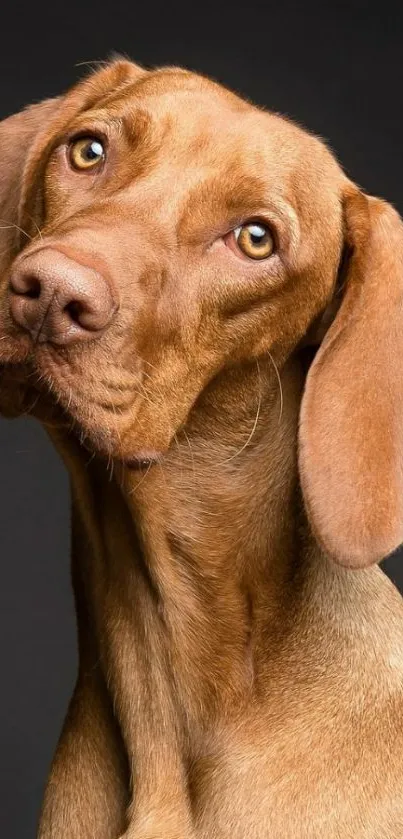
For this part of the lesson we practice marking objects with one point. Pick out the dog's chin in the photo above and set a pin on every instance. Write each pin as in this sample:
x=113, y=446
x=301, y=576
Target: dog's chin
x=98, y=442
x=36, y=384
x=104, y=433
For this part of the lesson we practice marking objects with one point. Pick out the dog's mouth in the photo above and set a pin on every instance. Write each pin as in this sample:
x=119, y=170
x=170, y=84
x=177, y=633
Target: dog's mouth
x=19, y=392
x=143, y=463
x=97, y=404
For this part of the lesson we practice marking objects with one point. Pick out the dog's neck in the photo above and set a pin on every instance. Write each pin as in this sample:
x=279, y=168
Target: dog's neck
x=224, y=498
x=205, y=548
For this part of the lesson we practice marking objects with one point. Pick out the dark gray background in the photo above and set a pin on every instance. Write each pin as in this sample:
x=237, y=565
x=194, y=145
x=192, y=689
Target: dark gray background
x=336, y=67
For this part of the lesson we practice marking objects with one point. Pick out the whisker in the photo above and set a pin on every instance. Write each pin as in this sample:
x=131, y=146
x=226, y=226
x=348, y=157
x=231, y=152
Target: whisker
x=91, y=458
x=38, y=229
x=7, y=225
x=141, y=480
x=254, y=424
x=279, y=383
x=152, y=366
x=34, y=403
x=94, y=63
x=191, y=454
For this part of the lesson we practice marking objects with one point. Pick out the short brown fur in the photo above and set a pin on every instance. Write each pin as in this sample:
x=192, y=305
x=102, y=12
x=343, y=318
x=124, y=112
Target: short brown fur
x=235, y=679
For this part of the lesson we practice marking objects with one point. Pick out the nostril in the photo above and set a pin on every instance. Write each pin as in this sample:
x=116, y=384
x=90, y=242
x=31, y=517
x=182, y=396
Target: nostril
x=75, y=310
x=59, y=300
x=90, y=316
x=26, y=286
x=33, y=289
x=85, y=315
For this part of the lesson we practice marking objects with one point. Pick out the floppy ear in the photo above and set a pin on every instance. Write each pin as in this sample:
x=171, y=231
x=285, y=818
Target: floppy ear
x=25, y=137
x=17, y=134
x=351, y=424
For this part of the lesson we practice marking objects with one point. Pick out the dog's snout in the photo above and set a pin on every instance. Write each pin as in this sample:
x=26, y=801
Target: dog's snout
x=59, y=300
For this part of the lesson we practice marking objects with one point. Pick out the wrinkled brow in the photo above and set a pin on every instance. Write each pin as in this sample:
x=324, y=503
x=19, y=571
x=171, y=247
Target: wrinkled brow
x=137, y=125
x=142, y=135
x=134, y=124
x=219, y=201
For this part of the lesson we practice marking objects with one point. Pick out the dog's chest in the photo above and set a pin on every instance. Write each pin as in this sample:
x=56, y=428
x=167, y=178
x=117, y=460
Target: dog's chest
x=301, y=780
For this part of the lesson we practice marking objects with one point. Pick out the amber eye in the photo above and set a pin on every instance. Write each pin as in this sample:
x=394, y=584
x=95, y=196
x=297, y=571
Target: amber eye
x=254, y=239
x=86, y=153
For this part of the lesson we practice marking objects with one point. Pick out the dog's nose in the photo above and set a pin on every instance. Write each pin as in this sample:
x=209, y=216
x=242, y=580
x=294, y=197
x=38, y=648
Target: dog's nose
x=59, y=300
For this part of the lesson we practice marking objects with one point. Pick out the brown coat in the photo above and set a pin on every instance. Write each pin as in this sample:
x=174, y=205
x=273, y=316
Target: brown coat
x=241, y=665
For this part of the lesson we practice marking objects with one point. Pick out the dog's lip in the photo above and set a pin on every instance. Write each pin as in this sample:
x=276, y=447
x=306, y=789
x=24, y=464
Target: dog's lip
x=21, y=364
x=14, y=350
x=142, y=460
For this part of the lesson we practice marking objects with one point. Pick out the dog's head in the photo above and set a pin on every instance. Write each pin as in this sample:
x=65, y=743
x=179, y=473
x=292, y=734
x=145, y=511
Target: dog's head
x=156, y=228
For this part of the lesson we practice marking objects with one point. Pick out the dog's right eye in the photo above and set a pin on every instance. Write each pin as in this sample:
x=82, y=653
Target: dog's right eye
x=253, y=239
x=86, y=153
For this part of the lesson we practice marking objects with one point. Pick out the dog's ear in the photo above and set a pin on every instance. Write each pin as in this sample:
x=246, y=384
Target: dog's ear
x=351, y=424
x=24, y=139
x=17, y=134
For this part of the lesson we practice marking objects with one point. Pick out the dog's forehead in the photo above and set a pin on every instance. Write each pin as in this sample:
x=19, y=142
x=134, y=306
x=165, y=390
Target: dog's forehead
x=203, y=119
x=188, y=132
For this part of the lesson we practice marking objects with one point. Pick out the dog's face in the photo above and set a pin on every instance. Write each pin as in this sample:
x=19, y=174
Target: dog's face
x=164, y=229
x=197, y=224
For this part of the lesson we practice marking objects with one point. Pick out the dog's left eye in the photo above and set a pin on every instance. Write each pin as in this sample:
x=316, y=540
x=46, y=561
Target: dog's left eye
x=254, y=239
x=86, y=153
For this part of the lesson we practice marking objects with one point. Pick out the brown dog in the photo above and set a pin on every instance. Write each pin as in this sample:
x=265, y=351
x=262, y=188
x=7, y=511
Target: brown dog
x=169, y=253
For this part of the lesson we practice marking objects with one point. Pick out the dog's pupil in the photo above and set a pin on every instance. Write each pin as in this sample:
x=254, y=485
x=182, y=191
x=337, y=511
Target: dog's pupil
x=257, y=235
x=93, y=151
